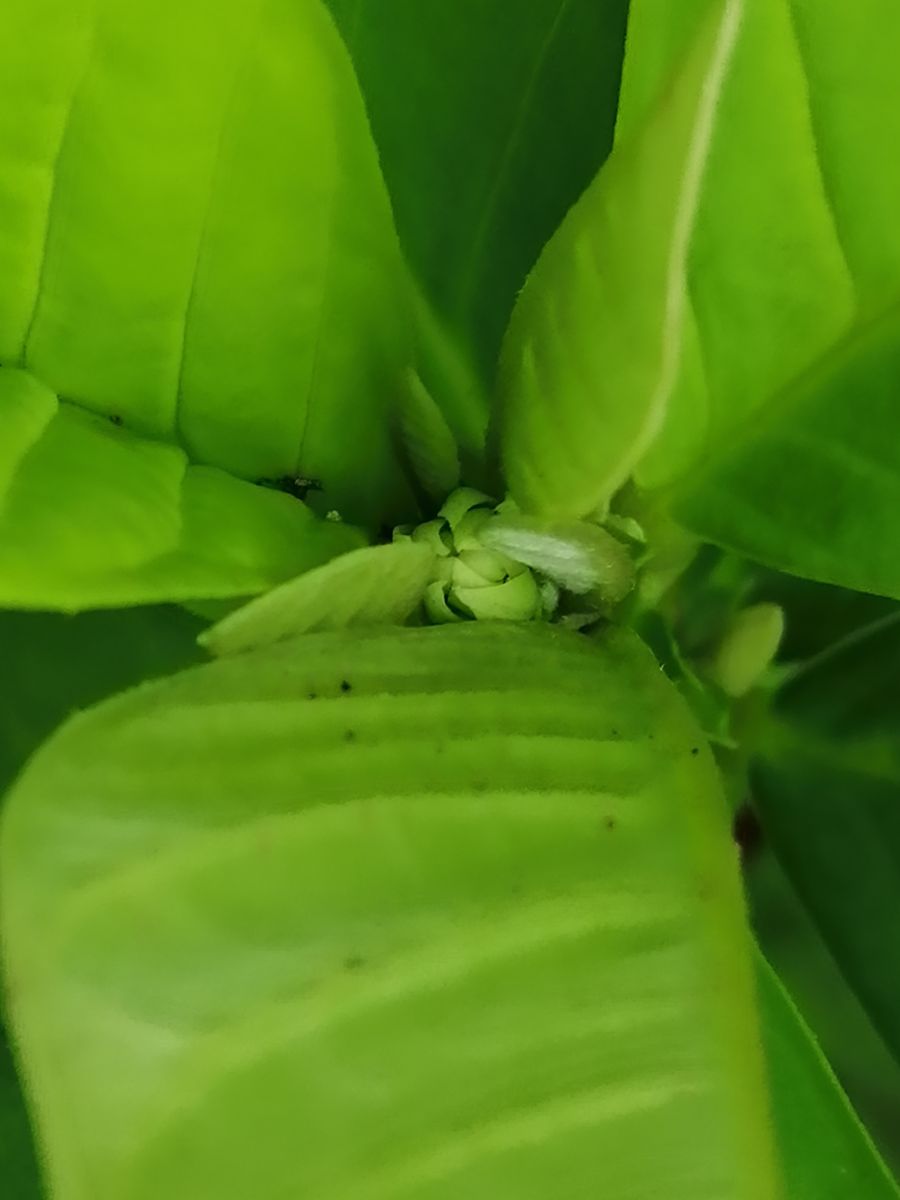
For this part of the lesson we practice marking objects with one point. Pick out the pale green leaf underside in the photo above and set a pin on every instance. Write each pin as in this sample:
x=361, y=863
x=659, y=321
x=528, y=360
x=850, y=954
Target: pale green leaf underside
x=578, y=556
x=786, y=401
x=376, y=585
x=92, y=515
x=423, y=913
x=592, y=351
x=195, y=236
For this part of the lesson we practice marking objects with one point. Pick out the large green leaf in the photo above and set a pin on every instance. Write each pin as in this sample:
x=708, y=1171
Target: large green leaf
x=490, y=119
x=195, y=235
x=95, y=515
x=828, y=787
x=786, y=399
x=765, y=416
x=591, y=355
x=826, y=1152
x=418, y=913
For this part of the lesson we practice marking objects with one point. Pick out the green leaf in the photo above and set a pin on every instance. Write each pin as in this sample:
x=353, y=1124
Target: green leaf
x=489, y=120
x=18, y=1163
x=197, y=239
x=592, y=352
x=427, y=439
x=828, y=787
x=780, y=440
x=343, y=885
x=792, y=944
x=578, y=556
x=825, y=1151
x=52, y=666
x=377, y=585
x=817, y=615
x=96, y=516
x=815, y=488
x=26, y=409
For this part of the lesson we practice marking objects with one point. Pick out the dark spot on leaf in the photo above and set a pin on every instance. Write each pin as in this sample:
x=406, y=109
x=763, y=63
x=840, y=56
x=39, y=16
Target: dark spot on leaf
x=297, y=486
x=695, y=750
x=350, y=735
x=115, y=418
x=346, y=686
x=353, y=962
x=609, y=823
x=614, y=733
x=747, y=832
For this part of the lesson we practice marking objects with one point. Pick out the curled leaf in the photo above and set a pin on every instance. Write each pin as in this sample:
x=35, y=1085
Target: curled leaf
x=377, y=585
x=580, y=557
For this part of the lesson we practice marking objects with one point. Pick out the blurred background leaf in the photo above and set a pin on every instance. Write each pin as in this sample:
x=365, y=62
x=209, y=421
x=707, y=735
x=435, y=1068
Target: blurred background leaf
x=51, y=666
x=827, y=785
x=825, y=892
x=490, y=118
x=825, y=1151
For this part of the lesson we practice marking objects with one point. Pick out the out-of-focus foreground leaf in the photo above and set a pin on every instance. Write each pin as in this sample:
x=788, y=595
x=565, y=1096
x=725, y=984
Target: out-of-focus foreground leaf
x=465, y=892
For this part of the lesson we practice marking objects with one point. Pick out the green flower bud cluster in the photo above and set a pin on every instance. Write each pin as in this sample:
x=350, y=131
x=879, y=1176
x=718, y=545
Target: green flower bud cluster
x=472, y=581
x=493, y=563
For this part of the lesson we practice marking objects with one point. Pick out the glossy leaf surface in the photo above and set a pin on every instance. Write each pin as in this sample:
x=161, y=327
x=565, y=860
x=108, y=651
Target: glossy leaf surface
x=369, y=897
x=196, y=236
x=94, y=515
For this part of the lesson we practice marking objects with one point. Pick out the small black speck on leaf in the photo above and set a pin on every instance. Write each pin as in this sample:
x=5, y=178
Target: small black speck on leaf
x=350, y=735
x=609, y=823
x=115, y=418
x=313, y=696
x=695, y=750
x=353, y=962
x=346, y=686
